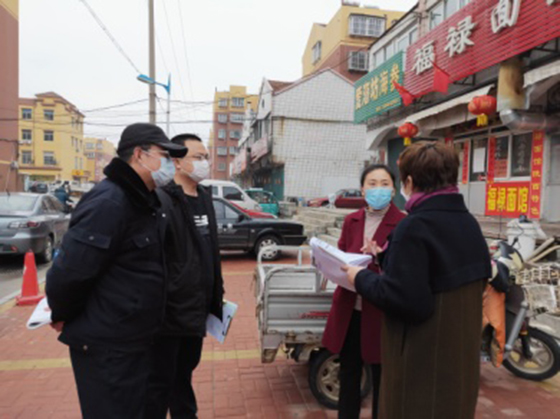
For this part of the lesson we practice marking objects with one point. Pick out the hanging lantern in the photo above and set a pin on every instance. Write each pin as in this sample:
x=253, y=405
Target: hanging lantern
x=482, y=106
x=407, y=131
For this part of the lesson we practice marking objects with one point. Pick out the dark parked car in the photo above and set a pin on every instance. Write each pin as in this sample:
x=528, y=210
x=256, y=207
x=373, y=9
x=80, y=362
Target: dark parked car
x=238, y=231
x=31, y=221
x=344, y=198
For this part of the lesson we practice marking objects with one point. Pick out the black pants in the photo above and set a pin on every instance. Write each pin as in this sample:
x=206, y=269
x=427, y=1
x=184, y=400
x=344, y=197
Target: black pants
x=351, y=366
x=111, y=384
x=174, y=359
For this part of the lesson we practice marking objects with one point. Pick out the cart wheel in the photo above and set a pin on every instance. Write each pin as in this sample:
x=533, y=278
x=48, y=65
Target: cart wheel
x=323, y=379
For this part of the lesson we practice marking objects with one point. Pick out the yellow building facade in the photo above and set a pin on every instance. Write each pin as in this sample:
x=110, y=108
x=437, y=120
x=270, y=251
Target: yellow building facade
x=51, y=136
x=352, y=28
x=98, y=153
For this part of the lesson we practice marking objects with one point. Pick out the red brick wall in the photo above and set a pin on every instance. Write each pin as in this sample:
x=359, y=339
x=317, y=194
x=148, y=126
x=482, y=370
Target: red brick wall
x=338, y=61
x=216, y=160
x=8, y=100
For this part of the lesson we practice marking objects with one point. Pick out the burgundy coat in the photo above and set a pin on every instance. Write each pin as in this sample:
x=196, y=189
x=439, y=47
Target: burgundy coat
x=344, y=301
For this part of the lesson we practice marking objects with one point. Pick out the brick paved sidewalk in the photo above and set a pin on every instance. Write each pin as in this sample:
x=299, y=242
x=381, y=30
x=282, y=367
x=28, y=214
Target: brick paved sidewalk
x=36, y=381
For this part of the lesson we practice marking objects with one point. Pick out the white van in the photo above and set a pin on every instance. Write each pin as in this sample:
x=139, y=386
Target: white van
x=232, y=192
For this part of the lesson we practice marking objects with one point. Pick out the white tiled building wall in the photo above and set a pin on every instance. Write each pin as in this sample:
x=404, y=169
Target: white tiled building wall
x=320, y=157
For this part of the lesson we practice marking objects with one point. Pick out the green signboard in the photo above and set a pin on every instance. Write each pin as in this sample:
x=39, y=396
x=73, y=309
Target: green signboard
x=375, y=93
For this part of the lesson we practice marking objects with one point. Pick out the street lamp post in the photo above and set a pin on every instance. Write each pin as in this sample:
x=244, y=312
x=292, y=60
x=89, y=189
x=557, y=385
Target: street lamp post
x=148, y=80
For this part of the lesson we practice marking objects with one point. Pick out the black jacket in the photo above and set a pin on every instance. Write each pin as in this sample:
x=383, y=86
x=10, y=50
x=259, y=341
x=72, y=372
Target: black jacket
x=189, y=299
x=438, y=247
x=107, y=283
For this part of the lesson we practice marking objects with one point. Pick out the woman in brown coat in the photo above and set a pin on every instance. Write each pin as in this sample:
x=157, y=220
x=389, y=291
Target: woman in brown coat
x=434, y=272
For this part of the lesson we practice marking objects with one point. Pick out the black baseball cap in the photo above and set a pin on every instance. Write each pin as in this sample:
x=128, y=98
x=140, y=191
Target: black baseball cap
x=143, y=133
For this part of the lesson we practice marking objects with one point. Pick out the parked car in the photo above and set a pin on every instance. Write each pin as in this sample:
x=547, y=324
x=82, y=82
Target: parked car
x=232, y=192
x=31, y=221
x=39, y=187
x=238, y=231
x=266, y=200
x=344, y=198
x=253, y=213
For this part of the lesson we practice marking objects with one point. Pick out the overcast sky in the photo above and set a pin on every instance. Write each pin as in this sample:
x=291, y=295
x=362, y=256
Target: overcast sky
x=63, y=49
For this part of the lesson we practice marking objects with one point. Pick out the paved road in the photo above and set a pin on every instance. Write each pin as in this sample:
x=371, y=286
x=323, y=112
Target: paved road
x=11, y=274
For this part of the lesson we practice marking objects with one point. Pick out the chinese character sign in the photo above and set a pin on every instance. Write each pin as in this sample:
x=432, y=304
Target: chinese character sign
x=375, y=92
x=536, y=175
x=480, y=35
x=459, y=38
x=508, y=199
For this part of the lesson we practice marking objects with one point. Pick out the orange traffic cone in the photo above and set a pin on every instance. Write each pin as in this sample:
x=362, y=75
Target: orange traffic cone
x=30, y=286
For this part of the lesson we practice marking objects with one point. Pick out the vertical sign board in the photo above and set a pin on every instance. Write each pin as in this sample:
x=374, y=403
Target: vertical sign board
x=536, y=174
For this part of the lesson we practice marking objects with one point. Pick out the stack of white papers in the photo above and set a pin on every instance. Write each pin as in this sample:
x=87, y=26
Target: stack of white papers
x=220, y=327
x=329, y=261
x=40, y=316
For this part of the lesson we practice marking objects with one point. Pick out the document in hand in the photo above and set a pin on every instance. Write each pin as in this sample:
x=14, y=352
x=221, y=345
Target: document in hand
x=40, y=316
x=330, y=260
x=219, y=328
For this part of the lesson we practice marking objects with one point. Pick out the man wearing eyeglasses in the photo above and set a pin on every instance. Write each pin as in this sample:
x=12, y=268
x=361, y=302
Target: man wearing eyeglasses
x=106, y=288
x=195, y=286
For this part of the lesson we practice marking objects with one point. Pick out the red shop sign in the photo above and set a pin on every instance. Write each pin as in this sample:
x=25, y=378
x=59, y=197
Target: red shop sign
x=536, y=175
x=482, y=34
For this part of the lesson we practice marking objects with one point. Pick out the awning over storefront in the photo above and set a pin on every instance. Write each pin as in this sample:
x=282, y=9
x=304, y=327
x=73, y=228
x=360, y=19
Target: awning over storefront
x=446, y=114
x=539, y=80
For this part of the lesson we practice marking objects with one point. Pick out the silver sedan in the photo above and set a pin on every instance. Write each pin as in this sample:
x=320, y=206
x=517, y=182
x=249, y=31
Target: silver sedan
x=29, y=221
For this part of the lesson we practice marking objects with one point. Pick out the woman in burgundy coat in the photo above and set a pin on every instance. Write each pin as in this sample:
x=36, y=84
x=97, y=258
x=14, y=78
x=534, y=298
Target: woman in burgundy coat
x=354, y=325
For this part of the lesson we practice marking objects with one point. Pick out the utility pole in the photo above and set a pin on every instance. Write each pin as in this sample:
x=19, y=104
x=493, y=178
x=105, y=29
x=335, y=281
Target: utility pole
x=152, y=62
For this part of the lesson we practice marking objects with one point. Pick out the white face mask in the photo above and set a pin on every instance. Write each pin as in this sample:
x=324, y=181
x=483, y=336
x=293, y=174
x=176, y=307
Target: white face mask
x=404, y=194
x=201, y=171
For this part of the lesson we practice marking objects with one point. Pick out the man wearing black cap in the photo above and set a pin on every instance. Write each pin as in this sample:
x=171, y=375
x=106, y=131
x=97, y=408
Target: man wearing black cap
x=106, y=288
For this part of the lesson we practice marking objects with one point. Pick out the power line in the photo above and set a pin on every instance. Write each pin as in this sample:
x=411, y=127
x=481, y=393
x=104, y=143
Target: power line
x=119, y=105
x=174, y=52
x=111, y=37
x=185, y=49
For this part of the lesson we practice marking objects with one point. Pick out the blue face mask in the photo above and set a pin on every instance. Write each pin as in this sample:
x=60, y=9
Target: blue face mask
x=164, y=174
x=379, y=198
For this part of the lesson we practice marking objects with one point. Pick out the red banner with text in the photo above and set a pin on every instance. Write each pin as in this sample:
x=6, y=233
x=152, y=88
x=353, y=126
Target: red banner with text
x=536, y=174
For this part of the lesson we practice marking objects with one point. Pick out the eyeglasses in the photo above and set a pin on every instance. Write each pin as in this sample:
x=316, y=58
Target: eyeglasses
x=199, y=158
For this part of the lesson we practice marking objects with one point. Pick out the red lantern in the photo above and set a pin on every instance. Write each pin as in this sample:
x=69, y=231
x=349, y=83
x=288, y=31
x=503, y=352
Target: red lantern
x=407, y=131
x=482, y=106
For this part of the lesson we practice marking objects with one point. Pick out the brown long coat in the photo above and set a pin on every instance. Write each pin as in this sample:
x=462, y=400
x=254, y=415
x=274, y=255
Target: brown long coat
x=422, y=364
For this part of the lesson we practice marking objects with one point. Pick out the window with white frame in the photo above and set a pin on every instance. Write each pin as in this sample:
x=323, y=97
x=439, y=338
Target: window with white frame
x=380, y=57
x=235, y=134
x=26, y=157
x=26, y=135
x=48, y=158
x=221, y=151
x=90, y=146
x=403, y=43
x=48, y=136
x=479, y=160
x=437, y=15
x=389, y=50
x=48, y=114
x=317, y=52
x=237, y=118
x=451, y=6
x=221, y=167
x=371, y=26
x=222, y=118
x=223, y=103
x=413, y=36
x=357, y=60
x=26, y=113
x=238, y=102
x=222, y=134
x=233, y=151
